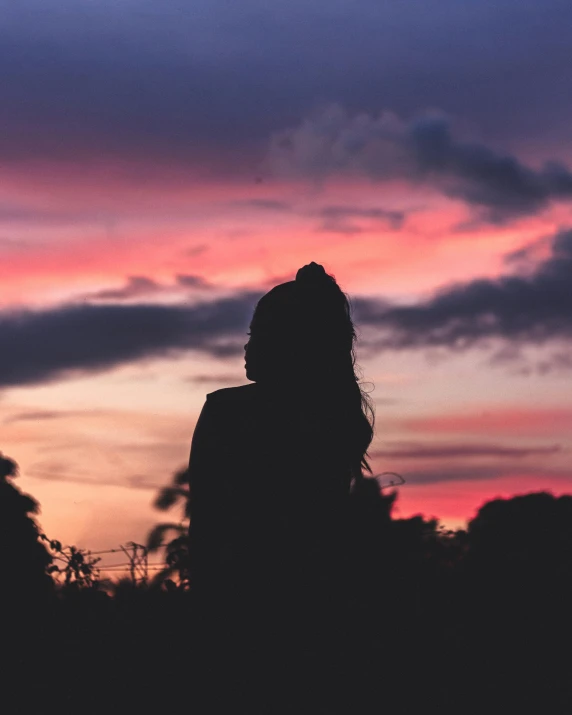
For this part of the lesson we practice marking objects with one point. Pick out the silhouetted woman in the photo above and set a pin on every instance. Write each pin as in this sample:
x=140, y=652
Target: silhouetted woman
x=271, y=467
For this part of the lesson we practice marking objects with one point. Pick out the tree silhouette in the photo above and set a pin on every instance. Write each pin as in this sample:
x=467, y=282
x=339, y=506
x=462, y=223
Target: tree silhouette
x=532, y=529
x=518, y=587
x=521, y=549
x=24, y=559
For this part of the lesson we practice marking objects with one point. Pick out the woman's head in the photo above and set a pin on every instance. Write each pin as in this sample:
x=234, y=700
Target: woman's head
x=302, y=337
x=299, y=329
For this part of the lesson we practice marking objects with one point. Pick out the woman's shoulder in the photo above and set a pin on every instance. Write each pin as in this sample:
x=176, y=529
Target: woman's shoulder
x=234, y=407
x=242, y=394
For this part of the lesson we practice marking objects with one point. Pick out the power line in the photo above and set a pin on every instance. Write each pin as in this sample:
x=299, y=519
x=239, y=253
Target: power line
x=136, y=564
x=150, y=568
x=120, y=548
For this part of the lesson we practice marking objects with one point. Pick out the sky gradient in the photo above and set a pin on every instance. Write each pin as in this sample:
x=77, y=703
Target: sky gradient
x=163, y=165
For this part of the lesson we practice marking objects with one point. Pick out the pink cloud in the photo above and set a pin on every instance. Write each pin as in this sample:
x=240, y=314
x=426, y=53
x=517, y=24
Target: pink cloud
x=520, y=421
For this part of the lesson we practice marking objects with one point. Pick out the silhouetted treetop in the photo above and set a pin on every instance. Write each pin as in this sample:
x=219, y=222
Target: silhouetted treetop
x=8, y=467
x=530, y=525
x=23, y=558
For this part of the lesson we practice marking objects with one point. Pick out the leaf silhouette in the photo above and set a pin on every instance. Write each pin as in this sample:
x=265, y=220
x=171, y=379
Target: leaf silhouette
x=168, y=497
x=157, y=535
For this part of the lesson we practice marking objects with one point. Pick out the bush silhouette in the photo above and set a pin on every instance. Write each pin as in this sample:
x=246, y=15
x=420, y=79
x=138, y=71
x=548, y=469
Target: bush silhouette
x=23, y=557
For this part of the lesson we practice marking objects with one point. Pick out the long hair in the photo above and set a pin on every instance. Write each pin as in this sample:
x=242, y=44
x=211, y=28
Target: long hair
x=303, y=338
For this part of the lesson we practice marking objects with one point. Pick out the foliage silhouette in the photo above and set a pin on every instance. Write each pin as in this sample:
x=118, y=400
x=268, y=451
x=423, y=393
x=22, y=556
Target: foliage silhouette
x=176, y=494
x=77, y=566
x=24, y=558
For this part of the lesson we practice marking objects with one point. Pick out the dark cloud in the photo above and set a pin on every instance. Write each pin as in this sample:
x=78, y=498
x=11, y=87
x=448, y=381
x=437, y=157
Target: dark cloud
x=264, y=205
x=21, y=213
x=342, y=219
x=462, y=473
x=37, y=416
x=192, y=281
x=16, y=245
x=136, y=287
x=61, y=472
x=424, y=150
x=529, y=255
x=207, y=82
x=220, y=379
x=17, y=213
x=532, y=309
x=463, y=451
x=334, y=219
x=46, y=345
x=143, y=287
x=196, y=250
x=556, y=363
x=499, y=184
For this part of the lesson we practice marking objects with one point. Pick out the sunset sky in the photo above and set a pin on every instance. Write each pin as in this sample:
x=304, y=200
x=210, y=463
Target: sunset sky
x=163, y=164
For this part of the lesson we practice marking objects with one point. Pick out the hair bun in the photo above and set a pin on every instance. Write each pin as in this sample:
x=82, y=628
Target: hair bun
x=311, y=274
